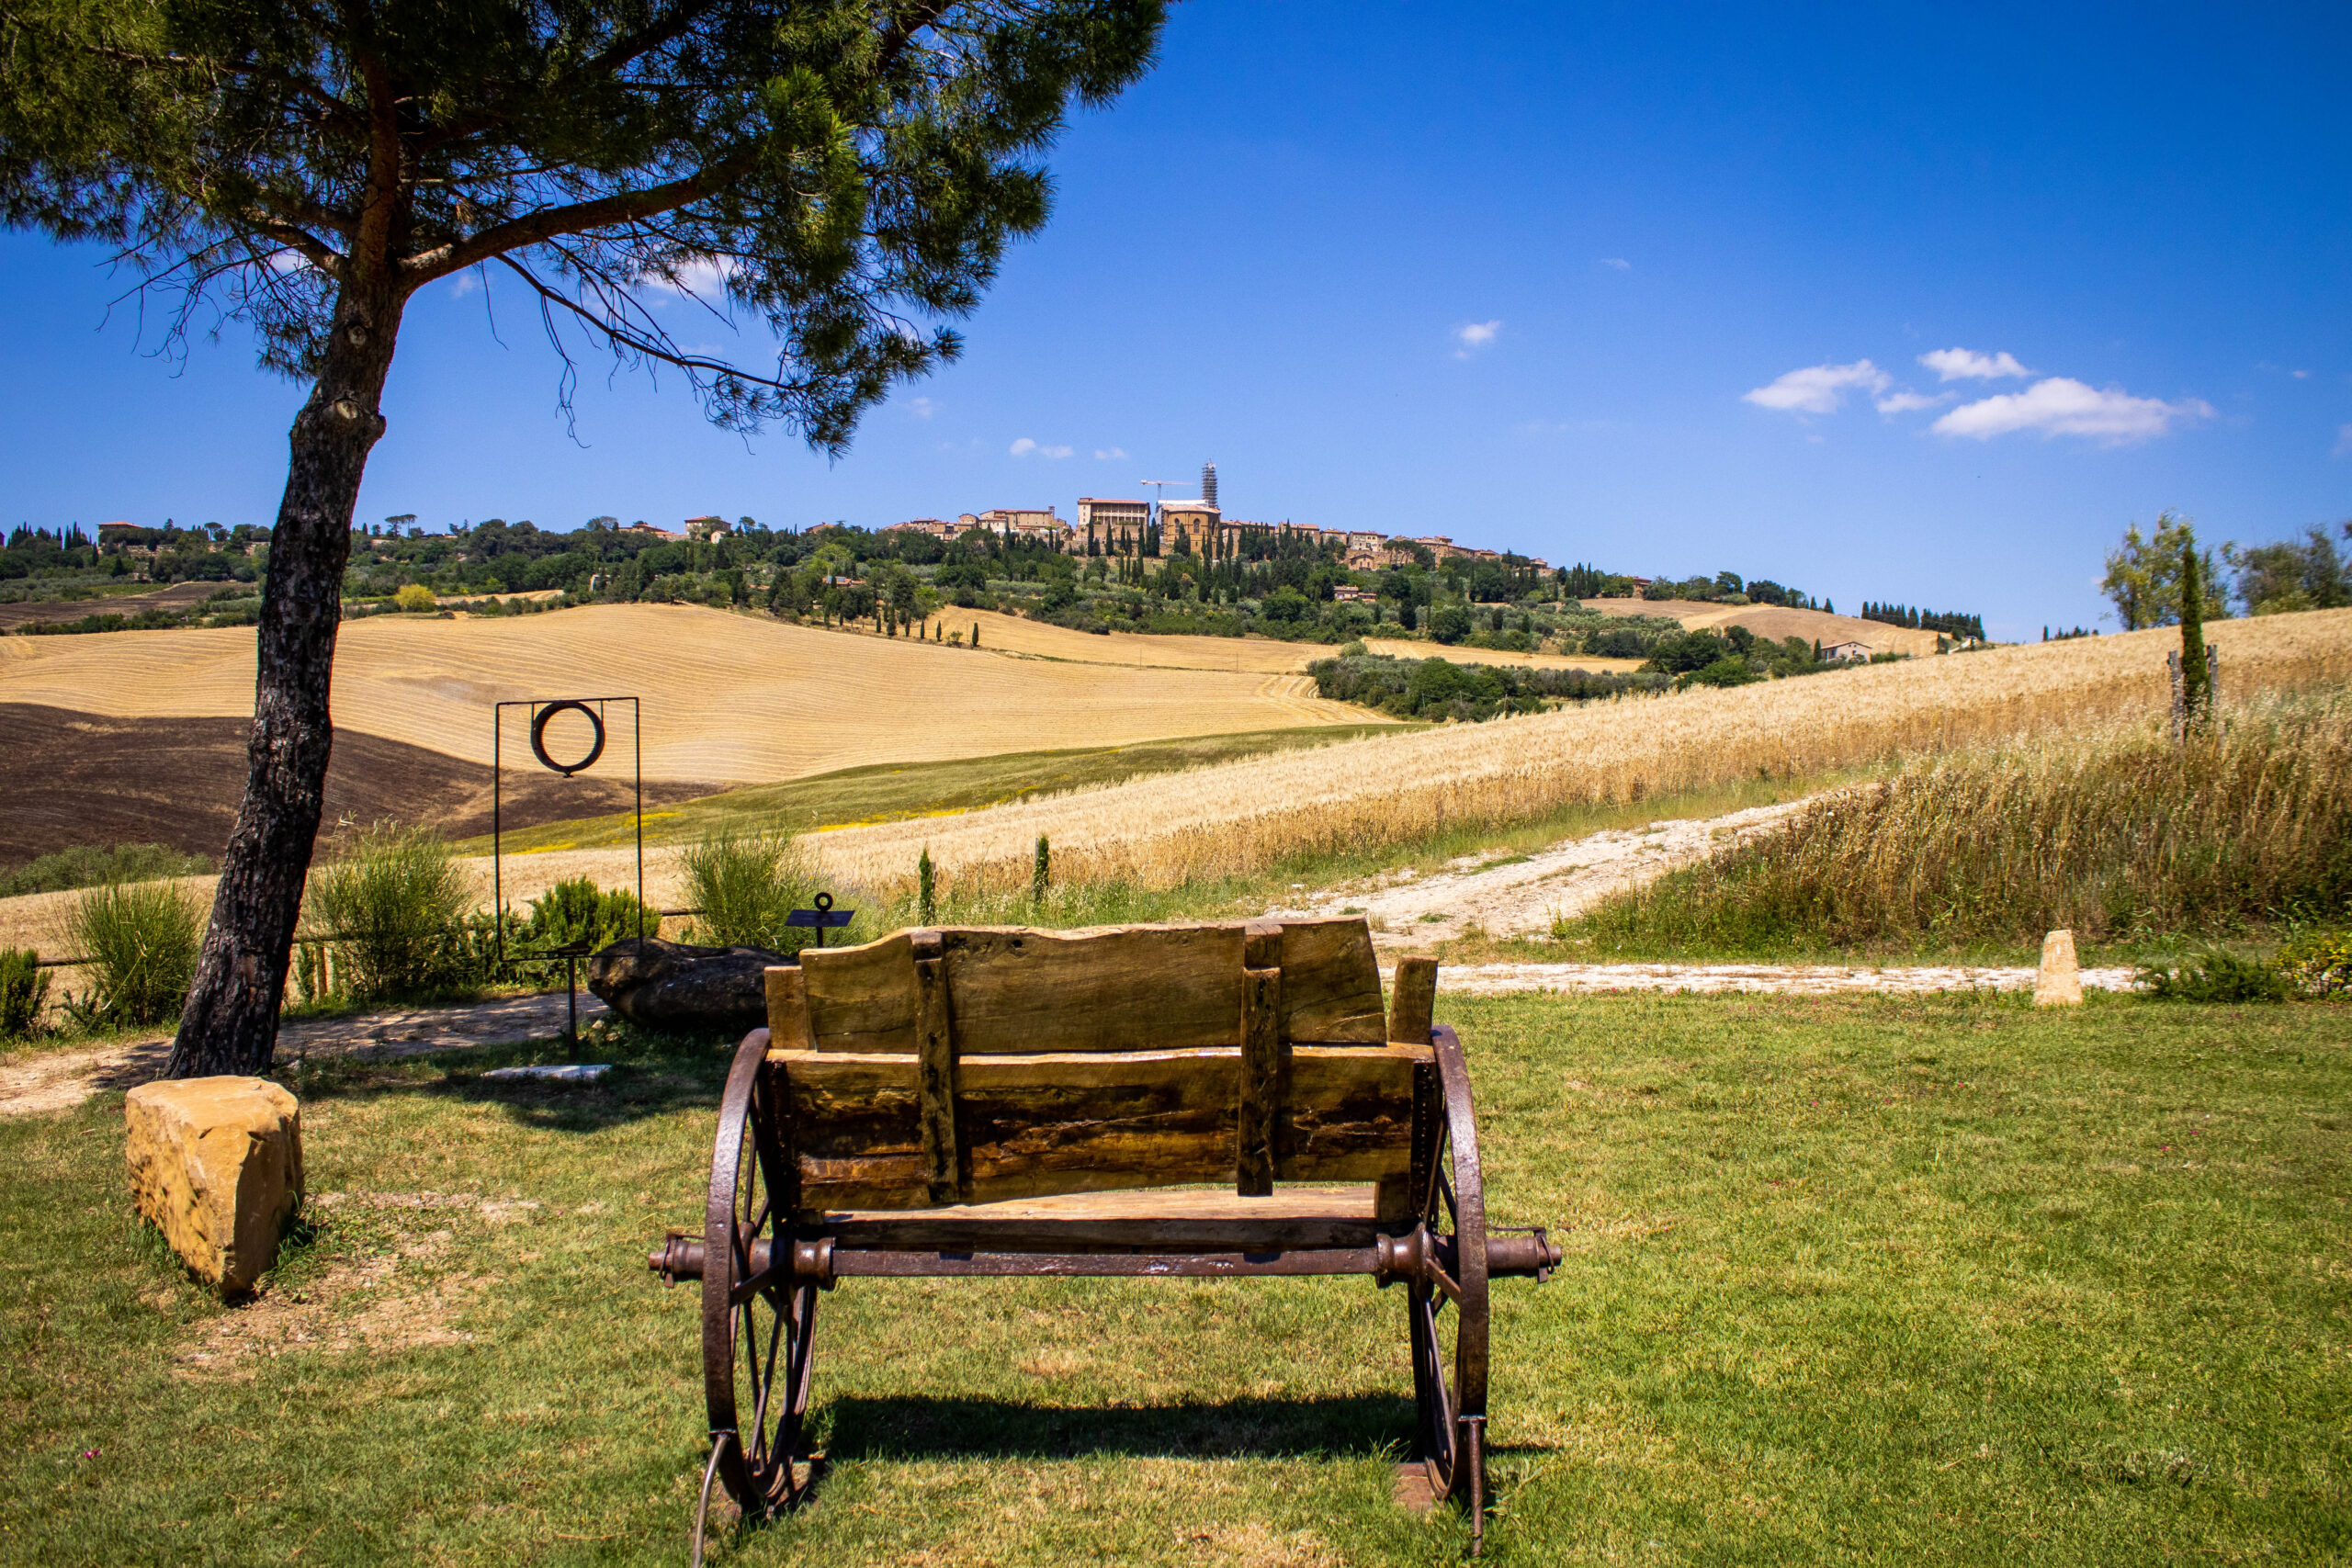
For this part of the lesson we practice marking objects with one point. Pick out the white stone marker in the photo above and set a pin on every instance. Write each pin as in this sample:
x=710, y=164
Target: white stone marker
x=2058, y=983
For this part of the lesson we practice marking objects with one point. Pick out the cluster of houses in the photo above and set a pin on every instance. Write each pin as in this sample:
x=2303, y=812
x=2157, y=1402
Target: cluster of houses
x=1105, y=527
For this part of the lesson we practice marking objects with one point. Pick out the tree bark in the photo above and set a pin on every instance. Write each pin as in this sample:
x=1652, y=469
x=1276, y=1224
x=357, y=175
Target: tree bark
x=230, y=1022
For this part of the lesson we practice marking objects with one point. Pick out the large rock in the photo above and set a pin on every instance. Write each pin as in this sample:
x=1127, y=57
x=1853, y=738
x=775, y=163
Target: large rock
x=216, y=1164
x=668, y=985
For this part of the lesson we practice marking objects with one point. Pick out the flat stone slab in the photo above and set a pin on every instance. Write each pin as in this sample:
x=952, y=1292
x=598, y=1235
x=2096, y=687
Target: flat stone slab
x=558, y=1072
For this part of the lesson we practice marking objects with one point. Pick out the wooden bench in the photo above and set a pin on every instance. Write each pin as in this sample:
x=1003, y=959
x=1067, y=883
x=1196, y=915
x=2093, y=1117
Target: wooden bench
x=1007, y=1101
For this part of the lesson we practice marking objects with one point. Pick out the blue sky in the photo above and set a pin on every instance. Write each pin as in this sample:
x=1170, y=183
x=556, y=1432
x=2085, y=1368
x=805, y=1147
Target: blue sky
x=1667, y=288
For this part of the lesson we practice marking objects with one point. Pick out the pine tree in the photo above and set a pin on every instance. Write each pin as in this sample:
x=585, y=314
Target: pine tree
x=835, y=167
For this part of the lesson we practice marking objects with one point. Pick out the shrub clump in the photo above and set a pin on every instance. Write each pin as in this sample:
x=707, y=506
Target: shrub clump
x=84, y=865
x=24, y=991
x=2214, y=977
x=1440, y=688
x=2318, y=963
x=396, y=899
x=743, y=884
x=140, y=938
x=579, y=914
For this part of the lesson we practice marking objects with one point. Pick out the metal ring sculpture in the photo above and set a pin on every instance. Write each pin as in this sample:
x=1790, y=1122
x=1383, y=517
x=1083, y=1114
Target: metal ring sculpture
x=1453, y=1408
x=539, y=739
x=756, y=1322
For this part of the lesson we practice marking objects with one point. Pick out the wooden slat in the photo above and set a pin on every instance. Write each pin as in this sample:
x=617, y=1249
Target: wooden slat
x=935, y=1073
x=861, y=998
x=1412, y=999
x=788, y=1009
x=1171, y=1218
x=1085, y=1121
x=1261, y=1087
x=1330, y=982
x=1142, y=987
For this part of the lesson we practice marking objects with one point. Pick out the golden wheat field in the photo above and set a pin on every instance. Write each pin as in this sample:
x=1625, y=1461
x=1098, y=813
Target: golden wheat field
x=728, y=698
x=1243, y=816
x=1400, y=648
x=1261, y=655
x=1775, y=622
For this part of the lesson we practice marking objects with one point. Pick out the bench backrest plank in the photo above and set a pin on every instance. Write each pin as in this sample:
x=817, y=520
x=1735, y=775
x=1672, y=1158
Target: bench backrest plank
x=1034, y=1126
x=977, y=1064
x=1018, y=991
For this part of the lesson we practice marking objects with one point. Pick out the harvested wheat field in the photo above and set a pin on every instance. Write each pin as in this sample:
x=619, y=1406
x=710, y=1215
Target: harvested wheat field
x=1244, y=817
x=1775, y=621
x=1043, y=640
x=1402, y=647
x=729, y=698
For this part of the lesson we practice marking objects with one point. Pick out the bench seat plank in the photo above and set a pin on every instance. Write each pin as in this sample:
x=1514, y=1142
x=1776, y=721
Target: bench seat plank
x=1085, y=1121
x=1175, y=1219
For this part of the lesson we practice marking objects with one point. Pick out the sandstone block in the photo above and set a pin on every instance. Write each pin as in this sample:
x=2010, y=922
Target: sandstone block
x=2058, y=983
x=215, y=1164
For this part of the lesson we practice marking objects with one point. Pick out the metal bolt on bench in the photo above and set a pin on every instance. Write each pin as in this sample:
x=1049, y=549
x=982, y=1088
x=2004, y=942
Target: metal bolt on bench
x=885, y=1125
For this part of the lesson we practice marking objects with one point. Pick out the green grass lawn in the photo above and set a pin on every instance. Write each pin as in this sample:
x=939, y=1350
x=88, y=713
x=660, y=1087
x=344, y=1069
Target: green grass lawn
x=1942, y=1280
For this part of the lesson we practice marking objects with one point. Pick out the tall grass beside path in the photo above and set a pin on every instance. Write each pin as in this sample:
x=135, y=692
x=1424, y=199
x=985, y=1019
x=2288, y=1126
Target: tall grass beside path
x=2118, y=833
x=1355, y=798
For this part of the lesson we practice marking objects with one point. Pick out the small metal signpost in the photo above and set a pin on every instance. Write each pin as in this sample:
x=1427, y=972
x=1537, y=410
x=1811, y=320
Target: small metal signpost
x=542, y=710
x=824, y=917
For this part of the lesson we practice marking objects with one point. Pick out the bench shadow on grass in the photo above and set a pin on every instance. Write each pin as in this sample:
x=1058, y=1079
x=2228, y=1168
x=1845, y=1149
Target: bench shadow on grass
x=915, y=1427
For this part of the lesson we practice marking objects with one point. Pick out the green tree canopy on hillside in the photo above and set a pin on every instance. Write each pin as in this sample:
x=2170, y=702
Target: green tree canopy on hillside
x=2142, y=577
x=845, y=174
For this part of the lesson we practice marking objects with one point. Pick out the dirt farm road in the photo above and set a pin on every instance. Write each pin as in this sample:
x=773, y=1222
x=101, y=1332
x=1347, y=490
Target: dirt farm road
x=1521, y=894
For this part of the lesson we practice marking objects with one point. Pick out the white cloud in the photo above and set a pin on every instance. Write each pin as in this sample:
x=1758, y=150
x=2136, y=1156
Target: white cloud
x=1817, y=389
x=2343, y=441
x=1476, y=336
x=704, y=277
x=1110, y=454
x=1966, y=365
x=465, y=283
x=1620, y=263
x=1025, y=447
x=2300, y=375
x=921, y=408
x=2064, y=406
x=1905, y=402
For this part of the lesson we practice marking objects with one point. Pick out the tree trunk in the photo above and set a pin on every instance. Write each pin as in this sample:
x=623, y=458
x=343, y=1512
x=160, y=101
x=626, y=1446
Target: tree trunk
x=230, y=1023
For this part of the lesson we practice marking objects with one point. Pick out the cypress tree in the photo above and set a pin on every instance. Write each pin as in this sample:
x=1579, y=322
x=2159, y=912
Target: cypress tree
x=2196, y=693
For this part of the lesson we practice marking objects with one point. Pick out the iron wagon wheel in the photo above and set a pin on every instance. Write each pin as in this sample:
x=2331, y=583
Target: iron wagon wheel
x=1446, y=1306
x=756, y=1324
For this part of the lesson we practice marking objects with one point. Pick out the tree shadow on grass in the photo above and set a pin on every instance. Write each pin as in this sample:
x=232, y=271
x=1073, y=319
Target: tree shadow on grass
x=652, y=1076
